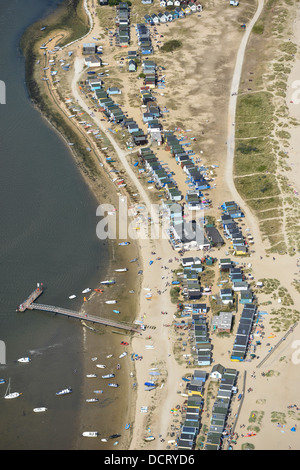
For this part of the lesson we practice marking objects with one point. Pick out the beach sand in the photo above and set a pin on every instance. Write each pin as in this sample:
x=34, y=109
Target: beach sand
x=204, y=111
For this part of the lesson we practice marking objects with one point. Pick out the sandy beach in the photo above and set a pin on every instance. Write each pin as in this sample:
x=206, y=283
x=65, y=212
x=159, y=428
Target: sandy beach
x=205, y=110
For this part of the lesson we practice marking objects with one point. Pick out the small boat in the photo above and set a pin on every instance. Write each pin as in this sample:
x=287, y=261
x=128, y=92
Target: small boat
x=113, y=385
x=91, y=400
x=90, y=434
x=110, y=355
x=148, y=388
x=110, y=281
x=124, y=243
x=150, y=262
x=127, y=426
x=101, y=366
x=103, y=440
x=116, y=311
x=65, y=391
x=133, y=260
x=72, y=296
x=40, y=410
x=24, y=359
x=121, y=270
x=114, y=436
x=85, y=291
x=131, y=292
x=149, y=384
x=98, y=391
x=43, y=28
x=123, y=354
x=149, y=438
x=186, y=379
x=94, y=358
x=91, y=375
x=108, y=376
x=110, y=301
x=9, y=395
x=2, y=381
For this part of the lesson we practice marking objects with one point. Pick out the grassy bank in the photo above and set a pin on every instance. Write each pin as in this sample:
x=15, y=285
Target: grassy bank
x=262, y=123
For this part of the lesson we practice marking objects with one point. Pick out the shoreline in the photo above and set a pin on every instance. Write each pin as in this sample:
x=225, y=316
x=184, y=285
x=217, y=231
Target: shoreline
x=163, y=340
x=125, y=414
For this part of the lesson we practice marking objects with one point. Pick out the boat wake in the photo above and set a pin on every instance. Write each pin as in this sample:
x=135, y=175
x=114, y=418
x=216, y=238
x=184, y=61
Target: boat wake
x=40, y=351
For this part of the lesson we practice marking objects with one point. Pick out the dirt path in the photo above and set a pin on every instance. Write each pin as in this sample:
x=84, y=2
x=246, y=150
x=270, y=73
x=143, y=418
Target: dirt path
x=229, y=178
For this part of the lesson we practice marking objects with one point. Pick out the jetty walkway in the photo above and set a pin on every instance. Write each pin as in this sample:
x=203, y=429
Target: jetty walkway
x=29, y=304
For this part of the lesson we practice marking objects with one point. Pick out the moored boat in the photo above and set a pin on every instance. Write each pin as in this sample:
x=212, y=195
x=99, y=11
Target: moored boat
x=9, y=395
x=110, y=301
x=91, y=375
x=90, y=434
x=2, y=381
x=85, y=291
x=124, y=243
x=149, y=438
x=24, y=359
x=72, y=297
x=121, y=270
x=109, y=281
x=92, y=400
x=100, y=366
x=65, y=391
x=123, y=354
x=40, y=410
x=108, y=376
x=113, y=385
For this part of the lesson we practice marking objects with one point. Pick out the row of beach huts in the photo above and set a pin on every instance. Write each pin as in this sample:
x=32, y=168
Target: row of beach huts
x=193, y=408
x=181, y=9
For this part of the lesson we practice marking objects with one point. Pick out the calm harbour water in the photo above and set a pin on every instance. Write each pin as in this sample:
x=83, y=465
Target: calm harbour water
x=48, y=234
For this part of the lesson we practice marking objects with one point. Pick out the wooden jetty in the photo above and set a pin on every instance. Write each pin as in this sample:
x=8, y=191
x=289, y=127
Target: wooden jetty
x=29, y=304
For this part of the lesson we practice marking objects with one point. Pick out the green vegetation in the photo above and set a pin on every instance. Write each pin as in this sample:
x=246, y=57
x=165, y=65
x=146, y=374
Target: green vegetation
x=174, y=293
x=171, y=46
x=262, y=127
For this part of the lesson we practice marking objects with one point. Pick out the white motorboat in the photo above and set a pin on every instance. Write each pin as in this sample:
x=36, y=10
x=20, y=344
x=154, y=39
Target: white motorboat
x=65, y=391
x=121, y=270
x=40, y=410
x=90, y=434
x=24, y=359
x=98, y=391
x=72, y=296
x=85, y=291
x=91, y=400
x=110, y=355
x=113, y=385
x=9, y=395
x=110, y=301
x=108, y=376
x=101, y=366
x=103, y=440
x=91, y=375
x=123, y=354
